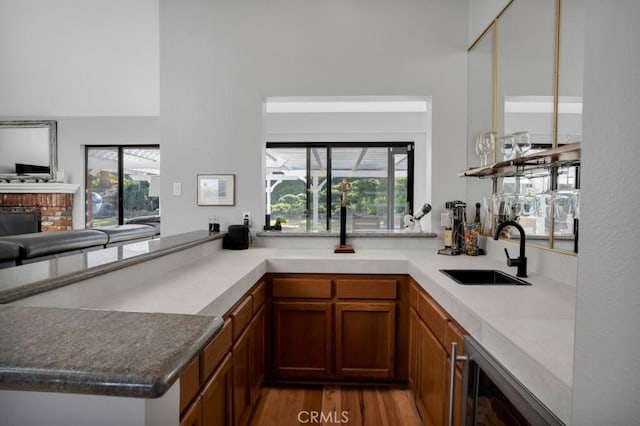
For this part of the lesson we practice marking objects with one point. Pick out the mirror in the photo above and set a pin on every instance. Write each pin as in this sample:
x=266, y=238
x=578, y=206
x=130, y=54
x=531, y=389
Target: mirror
x=28, y=150
x=480, y=92
x=526, y=104
x=537, y=89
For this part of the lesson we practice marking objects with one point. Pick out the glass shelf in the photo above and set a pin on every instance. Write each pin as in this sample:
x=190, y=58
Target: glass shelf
x=565, y=155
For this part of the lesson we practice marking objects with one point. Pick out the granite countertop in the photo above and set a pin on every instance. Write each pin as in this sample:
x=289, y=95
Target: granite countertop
x=98, y=352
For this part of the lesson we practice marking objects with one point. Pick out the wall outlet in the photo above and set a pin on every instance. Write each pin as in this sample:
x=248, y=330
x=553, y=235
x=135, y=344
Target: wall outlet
x=246, y=218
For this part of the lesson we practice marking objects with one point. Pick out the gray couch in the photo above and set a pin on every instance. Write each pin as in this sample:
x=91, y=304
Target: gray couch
x=33, y=247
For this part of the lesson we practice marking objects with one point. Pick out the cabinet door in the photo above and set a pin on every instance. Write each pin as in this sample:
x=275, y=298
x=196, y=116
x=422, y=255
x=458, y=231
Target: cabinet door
x=189, y=383
x=256, y=350
x=413, y=349
x=302, y=339
x=431, y=393
x=241, y=387
x=217, y=396
x=193, y=416
x=365, y=339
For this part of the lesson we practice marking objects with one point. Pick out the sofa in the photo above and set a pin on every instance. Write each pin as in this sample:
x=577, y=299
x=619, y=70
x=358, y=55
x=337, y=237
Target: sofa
x=33, y=247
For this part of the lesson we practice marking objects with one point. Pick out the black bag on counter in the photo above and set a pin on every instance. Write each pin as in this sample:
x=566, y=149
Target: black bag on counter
x=237, y=238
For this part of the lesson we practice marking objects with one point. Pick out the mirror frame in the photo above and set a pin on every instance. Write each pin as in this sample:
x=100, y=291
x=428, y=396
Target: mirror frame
x=52, y=125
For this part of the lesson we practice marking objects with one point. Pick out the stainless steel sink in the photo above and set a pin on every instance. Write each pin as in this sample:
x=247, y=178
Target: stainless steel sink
x=482, y=277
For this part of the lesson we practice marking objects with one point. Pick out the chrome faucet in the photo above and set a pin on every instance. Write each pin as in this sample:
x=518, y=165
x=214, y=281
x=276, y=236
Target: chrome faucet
x=520, y=262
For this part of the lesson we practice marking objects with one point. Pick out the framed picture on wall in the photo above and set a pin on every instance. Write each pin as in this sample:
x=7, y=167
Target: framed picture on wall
x=216, y=190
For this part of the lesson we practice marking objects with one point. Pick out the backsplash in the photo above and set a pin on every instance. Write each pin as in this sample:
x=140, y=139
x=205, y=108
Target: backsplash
x=557, y=266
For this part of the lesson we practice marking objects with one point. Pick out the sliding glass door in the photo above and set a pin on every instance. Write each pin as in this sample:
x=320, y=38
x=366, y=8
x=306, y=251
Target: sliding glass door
x=121, y=184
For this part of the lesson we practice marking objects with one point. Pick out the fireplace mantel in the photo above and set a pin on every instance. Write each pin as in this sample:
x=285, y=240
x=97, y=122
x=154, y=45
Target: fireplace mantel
x=39, y=188
x=52, y=201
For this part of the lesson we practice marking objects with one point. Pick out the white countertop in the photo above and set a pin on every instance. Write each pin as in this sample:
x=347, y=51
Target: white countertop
x=529, y=329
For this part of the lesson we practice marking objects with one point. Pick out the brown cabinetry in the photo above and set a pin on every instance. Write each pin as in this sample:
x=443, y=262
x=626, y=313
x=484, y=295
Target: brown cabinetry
x=431, y=332
x=302, y=339
x=216, y=398
x=365, y=339
x=241, y=389
x=222, y=384
x=339, y=327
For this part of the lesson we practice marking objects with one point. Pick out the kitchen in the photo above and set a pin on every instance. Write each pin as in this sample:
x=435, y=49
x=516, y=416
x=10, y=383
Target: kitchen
x=213, y=107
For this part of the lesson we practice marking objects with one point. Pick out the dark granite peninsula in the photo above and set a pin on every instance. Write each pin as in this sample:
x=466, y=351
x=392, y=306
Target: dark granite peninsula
x=98, y=352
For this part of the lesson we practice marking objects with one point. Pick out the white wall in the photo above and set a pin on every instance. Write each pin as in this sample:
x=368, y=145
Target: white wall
x=92, y=66
x=606, y=388
x=220, y=60
x=74, y=133
x=79, y=58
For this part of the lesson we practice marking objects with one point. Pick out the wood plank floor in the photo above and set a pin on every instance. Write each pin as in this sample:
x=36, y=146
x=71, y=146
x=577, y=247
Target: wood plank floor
x=285, y=405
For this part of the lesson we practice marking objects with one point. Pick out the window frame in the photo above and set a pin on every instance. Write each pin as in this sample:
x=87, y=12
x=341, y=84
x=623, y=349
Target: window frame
x=410, y=150
x=121, y=149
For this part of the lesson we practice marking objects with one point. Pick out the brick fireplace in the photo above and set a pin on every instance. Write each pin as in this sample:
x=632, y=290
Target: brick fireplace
x=53, y=202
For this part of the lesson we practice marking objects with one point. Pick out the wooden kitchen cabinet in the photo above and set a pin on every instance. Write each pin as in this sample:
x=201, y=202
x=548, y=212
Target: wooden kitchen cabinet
x=302, y=339
x=339, y=327
x=365, y=339
x=414, y=356
x=193, y=416
x=248, y=353
x=221, y=386
x=241, y=385
x=257, y=353
x=431, y=332
x=216, y=396
x=431, y=395
x=189, y=383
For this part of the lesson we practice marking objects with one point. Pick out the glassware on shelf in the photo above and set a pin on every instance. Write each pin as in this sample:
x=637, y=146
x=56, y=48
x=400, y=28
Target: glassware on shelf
x=506, y=145
x=522, y=142
x=485, y=144
x=487, y=208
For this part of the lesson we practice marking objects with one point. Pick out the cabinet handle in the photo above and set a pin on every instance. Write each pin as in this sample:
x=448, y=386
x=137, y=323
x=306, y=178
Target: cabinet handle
x=452, y=378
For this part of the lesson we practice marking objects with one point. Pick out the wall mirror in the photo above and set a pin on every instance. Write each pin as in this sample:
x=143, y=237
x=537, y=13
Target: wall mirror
x=536, y=82
x=525, y=87
x=28, y=150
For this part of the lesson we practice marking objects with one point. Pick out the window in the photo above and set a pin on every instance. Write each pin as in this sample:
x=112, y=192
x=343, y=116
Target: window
x=303, y=184
x=120, y=184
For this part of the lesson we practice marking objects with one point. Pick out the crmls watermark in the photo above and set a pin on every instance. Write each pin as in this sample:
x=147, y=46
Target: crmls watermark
x=331, y=417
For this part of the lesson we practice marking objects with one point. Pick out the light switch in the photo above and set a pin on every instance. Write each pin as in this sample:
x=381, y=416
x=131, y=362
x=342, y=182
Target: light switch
x=177, y=189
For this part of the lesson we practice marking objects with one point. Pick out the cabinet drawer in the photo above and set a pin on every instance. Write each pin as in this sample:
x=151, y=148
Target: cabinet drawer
x=259, y=295
x=189, y=383
x=433, y=316
x=366, y=289
x=453, y=333
x=216, y=350
x=241, y=316
x=306, y=288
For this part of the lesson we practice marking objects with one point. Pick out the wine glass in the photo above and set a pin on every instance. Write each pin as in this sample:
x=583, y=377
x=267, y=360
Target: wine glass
x=507, y=146
x=485, y=143
x=522, y=142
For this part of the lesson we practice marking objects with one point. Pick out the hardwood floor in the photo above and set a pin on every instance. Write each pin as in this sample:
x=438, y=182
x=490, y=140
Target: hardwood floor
x=286, y=405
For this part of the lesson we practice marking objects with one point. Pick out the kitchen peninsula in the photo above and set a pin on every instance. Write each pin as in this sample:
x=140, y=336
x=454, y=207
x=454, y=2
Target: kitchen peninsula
x=529, y=329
